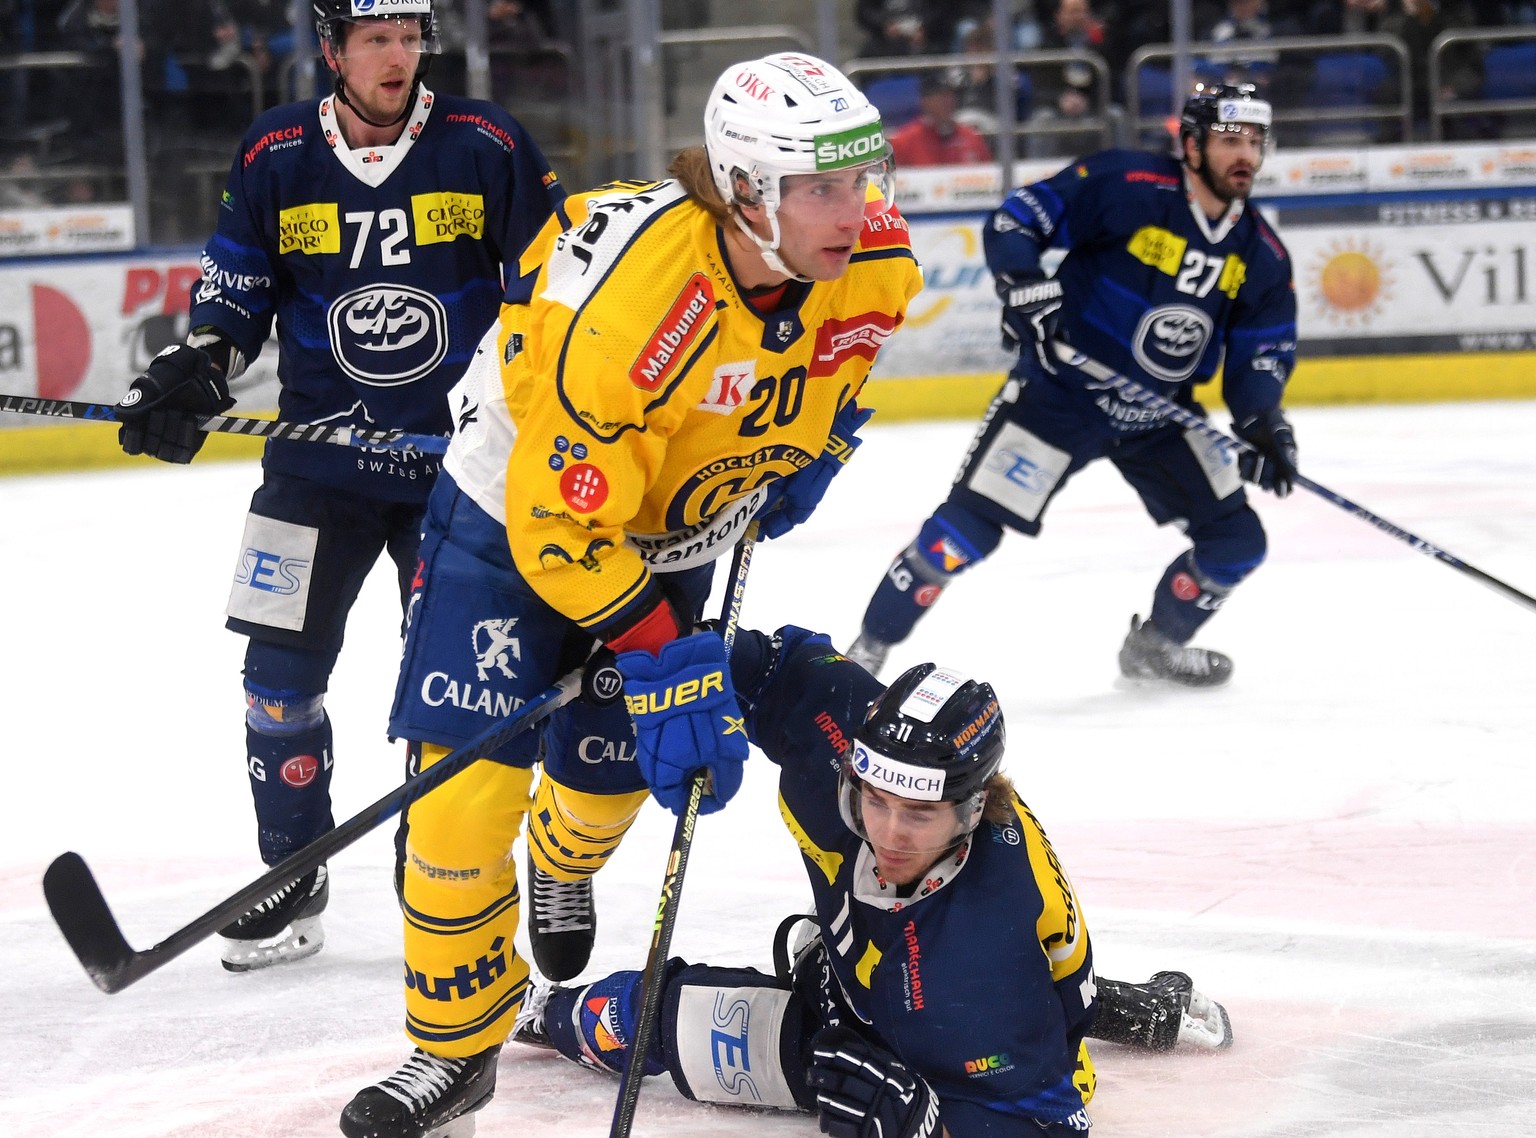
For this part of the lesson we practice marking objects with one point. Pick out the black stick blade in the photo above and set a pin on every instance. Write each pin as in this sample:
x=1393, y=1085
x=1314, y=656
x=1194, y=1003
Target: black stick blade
x=82, y=915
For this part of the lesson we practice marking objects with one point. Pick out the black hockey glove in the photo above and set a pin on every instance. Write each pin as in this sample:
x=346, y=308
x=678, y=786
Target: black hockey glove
x=159, y=415
x=1272, y=462
x=1030, y=305
x=863, y=1091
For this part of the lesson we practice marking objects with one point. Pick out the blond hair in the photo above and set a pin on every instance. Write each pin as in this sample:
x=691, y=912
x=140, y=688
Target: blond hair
x=692, y=170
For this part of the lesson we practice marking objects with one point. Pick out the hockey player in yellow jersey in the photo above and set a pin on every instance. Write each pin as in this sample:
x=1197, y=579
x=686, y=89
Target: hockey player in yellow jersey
x=686, y=356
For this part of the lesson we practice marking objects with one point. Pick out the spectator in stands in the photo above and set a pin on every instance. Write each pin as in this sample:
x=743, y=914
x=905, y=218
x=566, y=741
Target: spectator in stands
x=267, y=36
x=1070, y=93
x=935, y=138
x=1417, y=23
x=1245, y=22
x=92, y=28
x=529, y=23
x=915, y=27
x=1330, y=17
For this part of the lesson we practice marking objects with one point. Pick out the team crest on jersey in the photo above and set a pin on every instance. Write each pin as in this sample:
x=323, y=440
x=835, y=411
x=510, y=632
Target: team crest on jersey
x=388, y=335
x=840, y=340
x=1170, y=341
x=730, y=387
x=678, y=331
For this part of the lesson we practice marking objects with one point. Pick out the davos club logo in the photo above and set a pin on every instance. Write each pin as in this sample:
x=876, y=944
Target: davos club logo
x=388, y=335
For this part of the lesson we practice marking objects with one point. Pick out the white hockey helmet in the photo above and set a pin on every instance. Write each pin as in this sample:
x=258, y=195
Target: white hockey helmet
x=789, y=114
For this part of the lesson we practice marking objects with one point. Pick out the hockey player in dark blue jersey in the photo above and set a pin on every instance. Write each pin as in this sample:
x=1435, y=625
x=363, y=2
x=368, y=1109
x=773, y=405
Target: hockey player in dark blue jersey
x=374, y=227
x=923, y=861
x=1167, y=274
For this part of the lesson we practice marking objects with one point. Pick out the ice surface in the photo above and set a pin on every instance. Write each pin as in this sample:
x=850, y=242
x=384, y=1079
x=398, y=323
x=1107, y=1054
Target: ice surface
x=1339, y=846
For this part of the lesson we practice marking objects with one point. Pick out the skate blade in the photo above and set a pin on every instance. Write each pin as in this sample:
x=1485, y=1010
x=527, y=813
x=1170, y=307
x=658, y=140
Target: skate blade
x=304, y=937
x=1205, y=1025
x=461, y=1127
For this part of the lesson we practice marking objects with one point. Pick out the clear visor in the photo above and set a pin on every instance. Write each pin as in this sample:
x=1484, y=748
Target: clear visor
x=375, y=36
x=869, y=188
x=905, y=825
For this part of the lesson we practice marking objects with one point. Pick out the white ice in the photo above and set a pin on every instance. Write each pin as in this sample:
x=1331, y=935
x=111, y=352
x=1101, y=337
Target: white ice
x=1339, y=846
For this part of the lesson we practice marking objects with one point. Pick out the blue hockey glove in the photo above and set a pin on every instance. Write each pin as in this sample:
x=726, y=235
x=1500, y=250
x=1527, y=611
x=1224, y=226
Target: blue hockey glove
x=863, y=1091
x=159, y=412
x=793, y=499
x=686, y=719
x=1030, y=305
x=1272, y=462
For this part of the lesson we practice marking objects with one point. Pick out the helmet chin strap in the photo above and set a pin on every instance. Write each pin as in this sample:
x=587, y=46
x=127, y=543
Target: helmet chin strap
x=410, y=102
x=769, y=249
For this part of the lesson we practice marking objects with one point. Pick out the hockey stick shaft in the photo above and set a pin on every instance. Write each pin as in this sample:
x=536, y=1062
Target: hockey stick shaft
x=1136, y=393
x=86, y=921
x=238, y=425
x=651, y=980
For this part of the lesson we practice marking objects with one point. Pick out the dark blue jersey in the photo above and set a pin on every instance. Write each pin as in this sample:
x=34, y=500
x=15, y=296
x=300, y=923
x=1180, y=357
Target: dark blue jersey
x=1153, y=288
x=382, y=268
x=982, y=979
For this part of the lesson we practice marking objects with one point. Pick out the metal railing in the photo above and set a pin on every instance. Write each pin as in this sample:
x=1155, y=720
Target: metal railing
x=1105, y=122
x=1441, y=108
x=765, y=35
x=1282, y=50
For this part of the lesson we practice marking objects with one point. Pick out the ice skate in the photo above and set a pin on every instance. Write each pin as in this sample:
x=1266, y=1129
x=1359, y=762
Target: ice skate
x=428, y=1096
x=1204, y=1023
x=1149, y=655
x=562, y=923
x=1160, y=1015
x=868, y=653
x=283, y=928
x=531, y=1027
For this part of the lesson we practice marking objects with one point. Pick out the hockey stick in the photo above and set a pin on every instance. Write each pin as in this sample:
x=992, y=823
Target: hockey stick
x=236, y=425
x=672, y=884
x=1136, y=393
x=87, y=923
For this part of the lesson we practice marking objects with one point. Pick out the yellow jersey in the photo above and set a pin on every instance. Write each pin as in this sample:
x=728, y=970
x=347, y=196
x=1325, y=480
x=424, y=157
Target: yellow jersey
x=629, y=415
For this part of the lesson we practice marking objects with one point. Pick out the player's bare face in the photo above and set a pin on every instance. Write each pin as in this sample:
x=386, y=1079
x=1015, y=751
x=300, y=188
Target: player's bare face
x=378, y=62
x=820, y=216
x=907, y=837
x=1232, y=159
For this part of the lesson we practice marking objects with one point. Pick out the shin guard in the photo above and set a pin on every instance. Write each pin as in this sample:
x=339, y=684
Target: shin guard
x=916, y=579
x=572, y=833
x=1185, y=599
x=289, y=761
x=464, y=980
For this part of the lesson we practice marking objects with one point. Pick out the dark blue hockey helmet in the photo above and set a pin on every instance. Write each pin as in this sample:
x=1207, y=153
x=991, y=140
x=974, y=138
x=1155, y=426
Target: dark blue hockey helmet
x=1223, y=106
x=934, y=735
x=331, y=14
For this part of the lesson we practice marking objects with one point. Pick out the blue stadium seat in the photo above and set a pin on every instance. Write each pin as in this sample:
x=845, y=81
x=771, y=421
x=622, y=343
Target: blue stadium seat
x=1509, y=71
x=897, y=98
x=1347, y=79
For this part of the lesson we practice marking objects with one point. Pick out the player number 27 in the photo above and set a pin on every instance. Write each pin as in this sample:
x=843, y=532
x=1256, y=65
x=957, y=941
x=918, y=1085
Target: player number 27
x=394, y=229
x=1195, y=264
